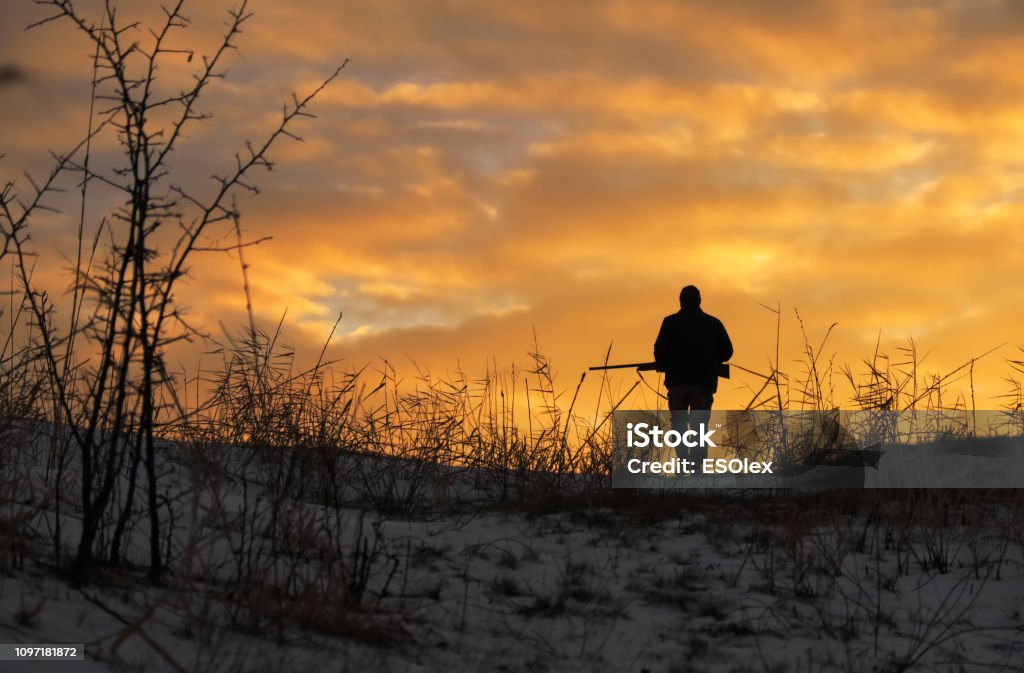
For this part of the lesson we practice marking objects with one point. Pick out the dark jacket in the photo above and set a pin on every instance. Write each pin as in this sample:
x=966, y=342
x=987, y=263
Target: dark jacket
x=689, y=348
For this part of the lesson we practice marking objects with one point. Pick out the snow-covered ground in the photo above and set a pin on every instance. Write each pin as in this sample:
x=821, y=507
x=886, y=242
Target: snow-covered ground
x=723, y=583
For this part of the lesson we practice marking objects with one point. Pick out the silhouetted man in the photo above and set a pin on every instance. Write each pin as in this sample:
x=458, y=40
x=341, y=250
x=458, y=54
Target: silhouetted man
x=690, y=347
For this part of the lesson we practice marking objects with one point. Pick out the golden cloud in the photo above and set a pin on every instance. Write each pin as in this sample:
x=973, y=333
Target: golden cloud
x=484, y=169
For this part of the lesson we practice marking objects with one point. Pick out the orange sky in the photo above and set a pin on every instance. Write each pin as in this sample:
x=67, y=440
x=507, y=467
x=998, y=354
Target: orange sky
x=482, y=170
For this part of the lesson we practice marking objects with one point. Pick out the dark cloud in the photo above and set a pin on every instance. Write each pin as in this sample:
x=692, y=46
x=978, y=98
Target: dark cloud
x=11, y=74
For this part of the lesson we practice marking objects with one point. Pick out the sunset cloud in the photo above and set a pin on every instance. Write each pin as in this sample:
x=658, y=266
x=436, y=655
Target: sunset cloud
x=484, y=170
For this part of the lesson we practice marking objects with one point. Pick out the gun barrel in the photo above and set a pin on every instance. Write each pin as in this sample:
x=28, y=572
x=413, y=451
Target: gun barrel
x=642, y=366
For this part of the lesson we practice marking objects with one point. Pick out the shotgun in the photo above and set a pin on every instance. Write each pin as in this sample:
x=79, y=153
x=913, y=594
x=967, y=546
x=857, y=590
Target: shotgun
x=723, y=368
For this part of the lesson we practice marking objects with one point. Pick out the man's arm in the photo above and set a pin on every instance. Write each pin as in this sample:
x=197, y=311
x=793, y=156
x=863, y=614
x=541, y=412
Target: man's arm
x=724, y=344
x=662, y=345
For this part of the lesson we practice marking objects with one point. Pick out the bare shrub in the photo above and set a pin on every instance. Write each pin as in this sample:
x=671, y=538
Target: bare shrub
x=105, y=369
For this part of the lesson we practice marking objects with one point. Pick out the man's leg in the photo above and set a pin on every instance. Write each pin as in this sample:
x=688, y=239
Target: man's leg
x=679, y=408
x=700, y=414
